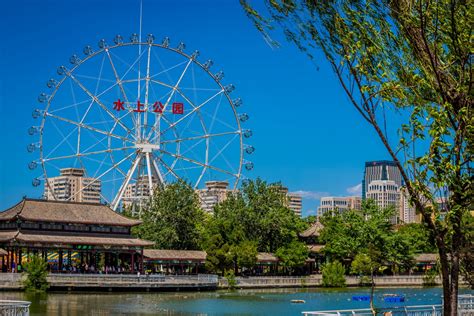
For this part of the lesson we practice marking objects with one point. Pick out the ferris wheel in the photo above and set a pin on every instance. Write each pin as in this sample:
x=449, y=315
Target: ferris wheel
x=138, y=112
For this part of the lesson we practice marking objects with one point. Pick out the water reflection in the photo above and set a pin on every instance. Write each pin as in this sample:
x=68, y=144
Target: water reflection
x=244, y=302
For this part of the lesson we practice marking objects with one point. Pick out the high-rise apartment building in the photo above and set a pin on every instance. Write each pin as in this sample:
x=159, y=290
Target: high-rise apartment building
x=339, y=203
x=385, y=193
x=138, y=192
x=295, y=203
x=214, y=193
x=407, y=211
x=71, y=185
x=380, y=170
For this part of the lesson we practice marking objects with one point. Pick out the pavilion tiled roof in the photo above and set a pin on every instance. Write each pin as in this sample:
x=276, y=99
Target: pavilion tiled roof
x=315, y=248
x=3, y=252
x=426, y=257
x=7, y=235
x=66, y=212
x=313, y=231
x=164, y=254
x=266, y=257
x=72, y=239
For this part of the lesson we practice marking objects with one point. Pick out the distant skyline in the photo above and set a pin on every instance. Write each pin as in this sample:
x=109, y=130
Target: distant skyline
x=306, y=133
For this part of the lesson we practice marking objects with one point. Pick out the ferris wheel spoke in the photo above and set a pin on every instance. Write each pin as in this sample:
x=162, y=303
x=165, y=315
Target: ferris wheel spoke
x=166, y=71
x=179, y=156
x=196, y=108
x=149, y=172
x=123, y=187
x=147, y=86
x=170, y=170
x=130, y=66
x=157, y=169
x=222, y=149
x=199, y=137
x=87, y=127
x=94, y=78
x=177, y=85
x=61, y=142
x=119, y=82
x=98, y=152
x=100, y=176
x=64, y=138
x=93, y=97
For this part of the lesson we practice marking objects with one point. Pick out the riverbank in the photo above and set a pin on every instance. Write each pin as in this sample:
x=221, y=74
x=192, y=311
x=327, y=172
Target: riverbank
x=101, y=282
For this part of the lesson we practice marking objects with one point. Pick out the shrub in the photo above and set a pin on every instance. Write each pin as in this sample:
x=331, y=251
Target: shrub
x=36, y=272
x=429, y=278
x=230, y=277
x=333, y=274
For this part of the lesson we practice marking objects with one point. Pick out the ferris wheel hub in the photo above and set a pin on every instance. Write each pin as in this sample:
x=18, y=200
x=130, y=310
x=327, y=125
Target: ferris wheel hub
x=147, y=148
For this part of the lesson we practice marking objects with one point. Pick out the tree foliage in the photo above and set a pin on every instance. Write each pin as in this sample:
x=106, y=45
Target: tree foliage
x=350, y=233
x=174, y=219
x=36, y=273
x=333, y=274
x=405, y=60
x=256, y=218
x=293, y=255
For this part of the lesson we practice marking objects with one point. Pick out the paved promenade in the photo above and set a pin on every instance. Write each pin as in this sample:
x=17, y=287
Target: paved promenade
x=316, y=280
x=12, y=281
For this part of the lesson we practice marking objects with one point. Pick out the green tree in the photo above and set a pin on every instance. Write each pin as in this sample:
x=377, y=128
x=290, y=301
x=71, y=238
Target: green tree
x=256, y=218
x=418, y=237
x=36, y=273
x=367, y=264
x=293, y=255
x=219, y=257
x=333, y=274
x=411, y=61
x=174, y=219
x=246, y=254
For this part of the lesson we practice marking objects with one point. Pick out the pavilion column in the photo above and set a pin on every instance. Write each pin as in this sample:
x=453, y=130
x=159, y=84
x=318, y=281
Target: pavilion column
x=60, y=261
x=11, y=266
x=133, y=262
x=69, y=259
x=141, y=261
x=19, y=259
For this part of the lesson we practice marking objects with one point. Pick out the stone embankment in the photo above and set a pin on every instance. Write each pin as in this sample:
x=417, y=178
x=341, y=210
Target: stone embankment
x=316, y=281
x=12, y=281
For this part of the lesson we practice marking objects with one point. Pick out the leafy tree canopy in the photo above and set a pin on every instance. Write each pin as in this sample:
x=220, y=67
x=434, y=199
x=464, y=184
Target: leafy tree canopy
x=174, y=219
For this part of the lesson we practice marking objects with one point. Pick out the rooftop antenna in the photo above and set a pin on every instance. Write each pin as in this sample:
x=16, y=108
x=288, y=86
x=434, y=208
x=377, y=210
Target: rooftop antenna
x=139, y=75
x=140, y=46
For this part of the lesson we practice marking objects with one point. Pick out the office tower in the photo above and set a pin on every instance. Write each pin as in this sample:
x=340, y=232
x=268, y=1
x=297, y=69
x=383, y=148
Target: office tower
x=385, y=193
x=71, y=185
x=380, y=170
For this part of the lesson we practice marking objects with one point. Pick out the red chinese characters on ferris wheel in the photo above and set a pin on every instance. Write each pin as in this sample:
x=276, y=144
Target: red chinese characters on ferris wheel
x=176, y=107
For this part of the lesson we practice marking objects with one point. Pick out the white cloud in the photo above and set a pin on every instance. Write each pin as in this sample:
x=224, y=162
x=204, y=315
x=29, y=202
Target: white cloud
x=356, y=190
x=312, y=195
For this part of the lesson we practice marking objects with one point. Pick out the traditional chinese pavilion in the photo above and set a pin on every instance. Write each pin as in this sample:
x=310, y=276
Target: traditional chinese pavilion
x=73, y=237
x=311, y=237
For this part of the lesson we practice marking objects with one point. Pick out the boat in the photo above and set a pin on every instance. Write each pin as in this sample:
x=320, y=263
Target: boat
x=298, y=301
x=393, y=298
x=361, y=298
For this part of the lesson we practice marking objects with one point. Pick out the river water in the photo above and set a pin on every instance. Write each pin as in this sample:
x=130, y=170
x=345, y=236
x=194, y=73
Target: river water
x=241, y=302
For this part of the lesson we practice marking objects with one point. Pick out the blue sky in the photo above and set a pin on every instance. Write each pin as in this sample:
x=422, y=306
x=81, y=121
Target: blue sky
x=306, y=134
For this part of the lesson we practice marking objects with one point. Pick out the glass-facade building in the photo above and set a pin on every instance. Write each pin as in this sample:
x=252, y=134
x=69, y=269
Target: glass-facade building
x=380, y=170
